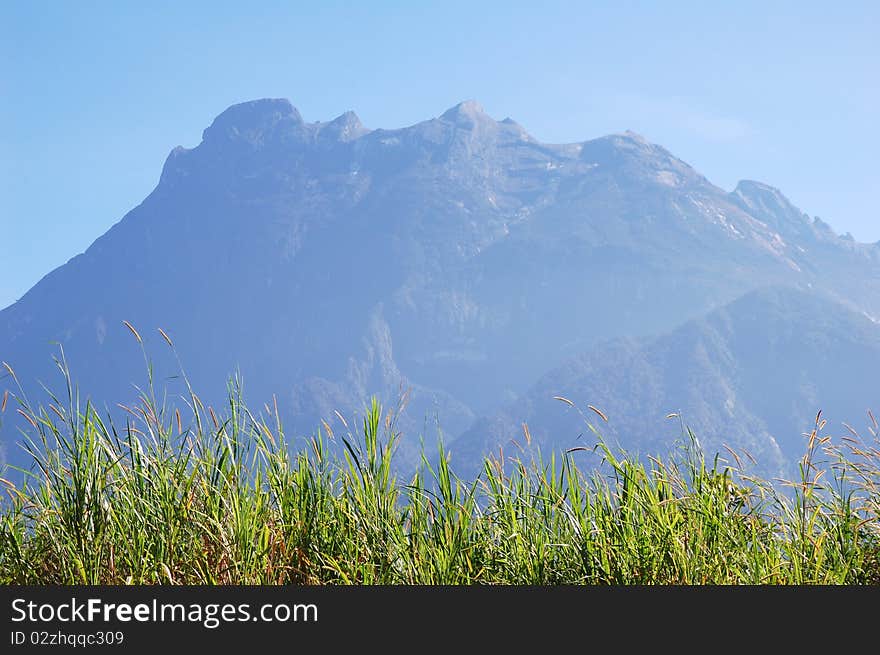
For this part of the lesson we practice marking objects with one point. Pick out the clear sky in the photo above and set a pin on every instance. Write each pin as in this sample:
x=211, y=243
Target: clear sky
x=94, y=95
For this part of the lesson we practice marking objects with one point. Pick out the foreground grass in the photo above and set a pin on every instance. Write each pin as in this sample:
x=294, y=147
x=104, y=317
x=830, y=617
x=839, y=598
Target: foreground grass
x=220, y=499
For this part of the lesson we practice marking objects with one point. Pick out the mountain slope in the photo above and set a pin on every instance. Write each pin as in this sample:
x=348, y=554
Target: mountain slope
x=458, y=257
x=751, y=375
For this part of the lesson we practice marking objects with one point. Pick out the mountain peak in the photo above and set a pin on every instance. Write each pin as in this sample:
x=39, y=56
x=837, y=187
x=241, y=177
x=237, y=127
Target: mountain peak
x=467, y=112
x=634, y=136
x=768, y=204
x=627, y=141
x=345, y=127
x=754, y=188
x=251, y=120
x=348, y=118
x=642, y=158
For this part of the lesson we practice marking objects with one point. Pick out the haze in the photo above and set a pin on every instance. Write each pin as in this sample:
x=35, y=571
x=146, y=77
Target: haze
x=95, y=96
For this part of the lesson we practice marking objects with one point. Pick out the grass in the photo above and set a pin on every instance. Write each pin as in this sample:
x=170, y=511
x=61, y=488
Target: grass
x=218, y=497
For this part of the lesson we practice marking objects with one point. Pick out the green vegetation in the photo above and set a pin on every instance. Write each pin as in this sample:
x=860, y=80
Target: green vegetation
x=217, y=498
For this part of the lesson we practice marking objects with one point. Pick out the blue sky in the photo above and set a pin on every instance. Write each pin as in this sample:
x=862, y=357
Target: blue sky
x=93, y=96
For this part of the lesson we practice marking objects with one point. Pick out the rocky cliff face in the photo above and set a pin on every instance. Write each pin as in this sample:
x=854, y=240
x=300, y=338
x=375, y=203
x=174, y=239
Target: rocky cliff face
x=458, y=257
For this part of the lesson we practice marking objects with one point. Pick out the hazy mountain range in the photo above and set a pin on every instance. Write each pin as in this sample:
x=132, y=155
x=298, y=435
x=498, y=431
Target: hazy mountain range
x=481, y=269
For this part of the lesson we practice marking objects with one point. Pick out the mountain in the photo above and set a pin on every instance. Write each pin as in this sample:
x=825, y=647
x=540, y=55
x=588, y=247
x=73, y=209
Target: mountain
x=751, y=375
x=458, y=258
